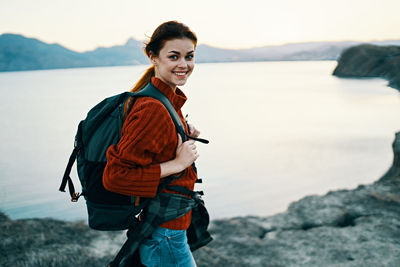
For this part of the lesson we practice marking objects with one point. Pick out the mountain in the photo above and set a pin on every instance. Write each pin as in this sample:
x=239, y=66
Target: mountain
x=128, y=54
x=21, y=53
x=295, y=51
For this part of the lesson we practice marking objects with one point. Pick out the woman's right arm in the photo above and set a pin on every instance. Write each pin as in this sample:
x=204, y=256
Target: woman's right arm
x=130, y=169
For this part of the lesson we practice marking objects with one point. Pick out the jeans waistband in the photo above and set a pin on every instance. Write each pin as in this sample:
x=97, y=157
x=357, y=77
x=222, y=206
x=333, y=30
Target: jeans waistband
x=167, y=232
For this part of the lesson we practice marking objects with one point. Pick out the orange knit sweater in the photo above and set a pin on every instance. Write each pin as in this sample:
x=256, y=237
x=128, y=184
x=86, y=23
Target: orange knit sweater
x=148, y=138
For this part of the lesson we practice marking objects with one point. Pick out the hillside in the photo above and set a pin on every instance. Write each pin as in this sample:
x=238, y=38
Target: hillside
x=21, y=53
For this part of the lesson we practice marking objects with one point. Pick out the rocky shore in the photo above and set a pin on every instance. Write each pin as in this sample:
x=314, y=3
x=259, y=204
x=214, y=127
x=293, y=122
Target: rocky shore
x=370, y=61
x=359, y=227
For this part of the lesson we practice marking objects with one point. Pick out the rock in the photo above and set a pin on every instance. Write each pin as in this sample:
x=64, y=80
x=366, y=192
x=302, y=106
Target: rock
x=371, y=61
x=49, y=242
x=359, y=227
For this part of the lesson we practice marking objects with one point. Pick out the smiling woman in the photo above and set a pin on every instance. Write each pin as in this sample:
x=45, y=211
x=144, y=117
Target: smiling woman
x=150, y=149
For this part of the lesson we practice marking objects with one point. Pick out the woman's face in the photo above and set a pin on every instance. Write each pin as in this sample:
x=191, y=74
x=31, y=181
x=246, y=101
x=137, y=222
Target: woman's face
x=175, y=62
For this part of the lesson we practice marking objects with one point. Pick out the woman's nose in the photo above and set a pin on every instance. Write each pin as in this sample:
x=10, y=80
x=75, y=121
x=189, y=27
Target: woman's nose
x=182, y=63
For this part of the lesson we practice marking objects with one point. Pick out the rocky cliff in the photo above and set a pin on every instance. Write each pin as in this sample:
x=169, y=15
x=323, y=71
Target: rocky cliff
x=371, y=61
x=359, y=227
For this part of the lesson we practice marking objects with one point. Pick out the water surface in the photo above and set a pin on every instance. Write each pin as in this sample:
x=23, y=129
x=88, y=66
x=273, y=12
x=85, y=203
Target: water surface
x=278, y=131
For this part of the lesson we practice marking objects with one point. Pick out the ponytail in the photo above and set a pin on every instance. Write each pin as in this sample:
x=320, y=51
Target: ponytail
x=145, y=79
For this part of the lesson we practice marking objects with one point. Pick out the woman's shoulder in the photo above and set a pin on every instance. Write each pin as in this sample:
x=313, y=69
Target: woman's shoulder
x=149, y=104
x=148, y=108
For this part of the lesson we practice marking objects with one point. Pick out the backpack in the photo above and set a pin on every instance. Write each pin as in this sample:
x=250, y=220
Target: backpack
x=101, y=129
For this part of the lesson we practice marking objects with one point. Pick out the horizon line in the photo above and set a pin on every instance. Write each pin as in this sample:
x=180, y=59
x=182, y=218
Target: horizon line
x=210, y=45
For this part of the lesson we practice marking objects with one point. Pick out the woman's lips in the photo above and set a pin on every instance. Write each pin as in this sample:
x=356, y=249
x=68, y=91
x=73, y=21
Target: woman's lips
x=180, y=74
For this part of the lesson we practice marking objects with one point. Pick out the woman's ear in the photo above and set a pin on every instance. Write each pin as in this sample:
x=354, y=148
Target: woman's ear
x=152, y=59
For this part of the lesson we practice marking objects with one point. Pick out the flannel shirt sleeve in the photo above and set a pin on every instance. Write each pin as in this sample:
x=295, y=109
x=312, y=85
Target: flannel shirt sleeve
x=130, y=168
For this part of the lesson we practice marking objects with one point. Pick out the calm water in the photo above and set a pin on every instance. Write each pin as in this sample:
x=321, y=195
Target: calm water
x=278, y=131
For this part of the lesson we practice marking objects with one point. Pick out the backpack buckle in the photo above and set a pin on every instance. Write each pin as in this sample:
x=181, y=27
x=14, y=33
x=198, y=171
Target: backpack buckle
x=75, y=197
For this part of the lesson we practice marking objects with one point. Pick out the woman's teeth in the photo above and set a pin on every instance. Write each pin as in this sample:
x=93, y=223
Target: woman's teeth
x=180, y=73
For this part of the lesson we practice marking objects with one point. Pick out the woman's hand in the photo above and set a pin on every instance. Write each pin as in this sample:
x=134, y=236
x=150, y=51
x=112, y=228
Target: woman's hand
x=186, y=154
x=193, y=131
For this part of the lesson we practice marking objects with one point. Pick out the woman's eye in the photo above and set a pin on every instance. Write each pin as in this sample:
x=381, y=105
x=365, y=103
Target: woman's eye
x=174, y=57
x=189, y=57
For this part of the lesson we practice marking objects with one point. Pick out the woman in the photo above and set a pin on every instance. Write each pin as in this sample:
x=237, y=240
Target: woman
x=150, y=149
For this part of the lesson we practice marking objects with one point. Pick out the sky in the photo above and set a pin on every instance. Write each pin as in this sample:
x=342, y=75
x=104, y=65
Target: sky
x=83, y=25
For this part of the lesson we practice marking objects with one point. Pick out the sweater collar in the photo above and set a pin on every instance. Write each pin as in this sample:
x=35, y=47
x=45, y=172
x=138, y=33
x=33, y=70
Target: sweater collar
x=177, y=98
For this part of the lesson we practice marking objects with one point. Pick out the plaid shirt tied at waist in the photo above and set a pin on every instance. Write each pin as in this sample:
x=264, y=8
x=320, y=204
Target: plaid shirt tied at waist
x=165, y=207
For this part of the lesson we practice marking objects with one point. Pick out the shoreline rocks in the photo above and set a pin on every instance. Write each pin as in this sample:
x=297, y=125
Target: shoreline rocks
x=358, y=227
x=370, y=61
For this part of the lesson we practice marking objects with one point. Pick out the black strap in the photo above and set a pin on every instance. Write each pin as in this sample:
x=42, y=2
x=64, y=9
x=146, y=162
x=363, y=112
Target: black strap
x=123, y=257
x=201, y=140
x=204, y=141
x=67, y=178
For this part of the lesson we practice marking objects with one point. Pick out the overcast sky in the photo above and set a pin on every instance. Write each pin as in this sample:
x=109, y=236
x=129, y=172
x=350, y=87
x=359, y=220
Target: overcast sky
x=86, y=24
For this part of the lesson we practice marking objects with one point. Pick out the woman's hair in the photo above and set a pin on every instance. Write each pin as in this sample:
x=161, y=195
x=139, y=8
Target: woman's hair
x=165, y=32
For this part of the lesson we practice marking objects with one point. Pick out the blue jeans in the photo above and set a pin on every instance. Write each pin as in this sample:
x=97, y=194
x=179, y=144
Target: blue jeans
x=166, y=248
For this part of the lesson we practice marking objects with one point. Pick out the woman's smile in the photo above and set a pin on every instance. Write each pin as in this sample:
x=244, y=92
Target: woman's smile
x=180, y=74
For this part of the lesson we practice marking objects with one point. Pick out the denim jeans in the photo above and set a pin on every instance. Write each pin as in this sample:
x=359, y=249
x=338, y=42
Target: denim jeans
x=166, y=248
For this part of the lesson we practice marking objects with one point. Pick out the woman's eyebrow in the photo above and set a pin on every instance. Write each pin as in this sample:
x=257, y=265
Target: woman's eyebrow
x=178, y=53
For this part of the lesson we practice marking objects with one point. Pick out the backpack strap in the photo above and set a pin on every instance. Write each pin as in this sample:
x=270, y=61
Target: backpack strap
x=194, y=194
x=152, y=91
x=67, y=178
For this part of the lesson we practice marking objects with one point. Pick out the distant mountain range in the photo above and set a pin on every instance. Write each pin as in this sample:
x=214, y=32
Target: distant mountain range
x=21, y=53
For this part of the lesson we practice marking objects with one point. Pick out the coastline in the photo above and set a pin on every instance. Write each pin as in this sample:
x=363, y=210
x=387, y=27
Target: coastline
x=358, y=227
x=354, y=227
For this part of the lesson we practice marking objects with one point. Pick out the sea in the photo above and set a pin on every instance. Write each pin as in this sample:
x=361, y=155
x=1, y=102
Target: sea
x=278, y=131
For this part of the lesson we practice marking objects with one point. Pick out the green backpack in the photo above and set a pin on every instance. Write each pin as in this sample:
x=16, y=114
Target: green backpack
x=101, y=129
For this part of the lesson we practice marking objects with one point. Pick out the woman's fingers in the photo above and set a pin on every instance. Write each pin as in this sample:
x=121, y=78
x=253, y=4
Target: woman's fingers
x=193, y=131
x=192, y=146
x=186, y=153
